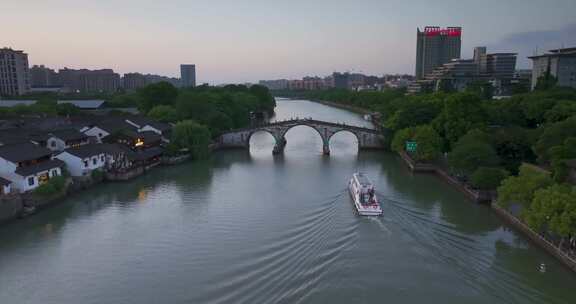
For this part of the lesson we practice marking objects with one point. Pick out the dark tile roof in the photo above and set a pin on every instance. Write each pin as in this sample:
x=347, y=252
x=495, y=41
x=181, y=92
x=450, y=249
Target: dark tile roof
x=39, y=167
x=147, y=154
x=22, y=152
x=162, y=127
x=4, y=181
x=139, y=120
x=69, y=134
x=113, y=126
x=86, y=150
x=147, y=136
x=143, y=121
x=114, y=148
x=20, y=135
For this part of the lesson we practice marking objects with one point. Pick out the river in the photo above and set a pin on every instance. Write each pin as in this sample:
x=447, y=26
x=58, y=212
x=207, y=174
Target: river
x=249, y=227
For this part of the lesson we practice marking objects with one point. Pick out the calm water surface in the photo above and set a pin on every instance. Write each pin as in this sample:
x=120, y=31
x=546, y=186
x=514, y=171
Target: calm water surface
x=247, y=227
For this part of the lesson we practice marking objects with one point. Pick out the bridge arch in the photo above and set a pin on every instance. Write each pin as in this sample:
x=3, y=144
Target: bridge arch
x=345, y=131
x=249, y=136
x=285, y=131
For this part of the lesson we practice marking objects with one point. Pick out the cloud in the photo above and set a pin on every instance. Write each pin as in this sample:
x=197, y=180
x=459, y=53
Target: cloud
x=527, y=43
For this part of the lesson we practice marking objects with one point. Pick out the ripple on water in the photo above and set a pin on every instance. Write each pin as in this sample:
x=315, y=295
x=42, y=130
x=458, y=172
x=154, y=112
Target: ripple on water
x=288, y=266
x=472, y=260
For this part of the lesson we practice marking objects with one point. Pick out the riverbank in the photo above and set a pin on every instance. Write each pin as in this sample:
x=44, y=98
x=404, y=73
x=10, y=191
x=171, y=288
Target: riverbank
x=537, y=239
x=19, y=205
x=489, y=197
x=476, y=196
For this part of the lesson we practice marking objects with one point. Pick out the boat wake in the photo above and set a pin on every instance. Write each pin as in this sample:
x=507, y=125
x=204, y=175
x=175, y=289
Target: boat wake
x=288, y=266
x=471, y=257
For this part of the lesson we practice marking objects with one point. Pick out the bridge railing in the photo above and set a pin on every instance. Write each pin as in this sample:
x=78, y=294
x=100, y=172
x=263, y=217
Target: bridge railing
x=302, y=120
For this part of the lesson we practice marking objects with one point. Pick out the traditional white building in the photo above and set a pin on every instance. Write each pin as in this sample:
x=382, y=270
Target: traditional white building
x=64, y=139
x=83, y=160
x=5, y=186
x=144, y=124
x=28, y=166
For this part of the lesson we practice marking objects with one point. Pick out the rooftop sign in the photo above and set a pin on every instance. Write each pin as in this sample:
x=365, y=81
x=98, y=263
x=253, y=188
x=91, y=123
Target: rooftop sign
x=437, y=31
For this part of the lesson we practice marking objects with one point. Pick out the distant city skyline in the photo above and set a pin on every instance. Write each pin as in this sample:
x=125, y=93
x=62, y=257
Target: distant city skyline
x=246, y=41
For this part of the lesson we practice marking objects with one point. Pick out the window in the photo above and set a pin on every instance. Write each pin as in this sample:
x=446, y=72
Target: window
x=52, y=144
x=102, y=158
x=85, y=163
x=94, y=160
x=31, y=181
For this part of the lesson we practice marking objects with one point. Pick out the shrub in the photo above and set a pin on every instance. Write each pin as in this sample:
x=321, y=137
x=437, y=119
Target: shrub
x=488, y=178
x=54, y=186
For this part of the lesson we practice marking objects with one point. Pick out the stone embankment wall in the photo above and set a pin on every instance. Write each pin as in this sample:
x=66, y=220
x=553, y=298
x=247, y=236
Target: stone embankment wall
x=174, y=160
x=474, y=195
x=535, y=237
x=11, y=207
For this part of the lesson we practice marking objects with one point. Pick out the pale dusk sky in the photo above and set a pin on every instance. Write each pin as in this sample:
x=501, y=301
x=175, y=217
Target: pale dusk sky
x=245, y=41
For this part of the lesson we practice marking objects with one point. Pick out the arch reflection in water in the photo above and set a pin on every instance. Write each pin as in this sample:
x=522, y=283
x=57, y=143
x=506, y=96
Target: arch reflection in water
x=344, y=143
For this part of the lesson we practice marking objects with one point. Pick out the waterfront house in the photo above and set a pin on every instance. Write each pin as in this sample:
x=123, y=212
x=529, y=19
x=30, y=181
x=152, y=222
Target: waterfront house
x=101, y=130
x=20, y=135
x=83, y=160
x=28, y=165
x=5, y=186
x=135, y=140
x=119, y=158
x=144, y=124
x=147, y=157
x=67, y=138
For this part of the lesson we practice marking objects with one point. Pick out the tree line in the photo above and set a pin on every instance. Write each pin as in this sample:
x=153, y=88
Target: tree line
x=198, y=114
x=485, y=142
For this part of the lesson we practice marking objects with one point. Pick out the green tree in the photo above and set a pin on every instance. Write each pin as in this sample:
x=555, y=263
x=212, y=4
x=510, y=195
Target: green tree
x=520, y=189
x=67, y=109
x=163, y=113
x=513, y=145
x=483, y=89
x=190, y=135
x=471, y=152
x=546, y=82
x=429, y=142
x=462, y=112
x=553, y=209
x=554, y=135
x=488, y=178
x=561, y=111
x=161, y=93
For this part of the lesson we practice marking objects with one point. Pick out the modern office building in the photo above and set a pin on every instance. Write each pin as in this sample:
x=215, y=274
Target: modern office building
x=188, y=75
x=560, y=63
x=458, y=74
x=436, y=46
x=14, y=72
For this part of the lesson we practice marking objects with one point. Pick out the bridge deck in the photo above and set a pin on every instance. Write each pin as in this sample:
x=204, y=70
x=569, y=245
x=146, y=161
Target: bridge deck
x=307, y=121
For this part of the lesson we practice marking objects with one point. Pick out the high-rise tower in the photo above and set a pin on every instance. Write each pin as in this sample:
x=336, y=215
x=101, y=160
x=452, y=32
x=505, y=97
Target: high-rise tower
x=188, y=75
x=436, y=46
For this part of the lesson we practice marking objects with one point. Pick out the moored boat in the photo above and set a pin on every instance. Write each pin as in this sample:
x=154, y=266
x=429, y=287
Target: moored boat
x=364, y=196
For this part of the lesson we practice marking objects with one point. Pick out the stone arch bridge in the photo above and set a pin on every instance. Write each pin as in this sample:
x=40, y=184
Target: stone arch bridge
x=367, y=138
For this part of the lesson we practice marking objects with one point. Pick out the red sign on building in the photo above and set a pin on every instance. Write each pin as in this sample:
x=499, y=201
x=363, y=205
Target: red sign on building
x=437, y=31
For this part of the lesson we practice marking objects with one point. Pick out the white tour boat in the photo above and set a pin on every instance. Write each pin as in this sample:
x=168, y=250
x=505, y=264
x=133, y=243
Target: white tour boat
x=363, y=194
